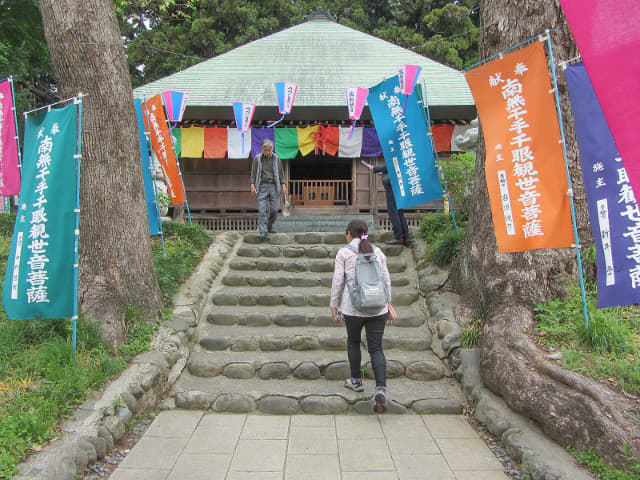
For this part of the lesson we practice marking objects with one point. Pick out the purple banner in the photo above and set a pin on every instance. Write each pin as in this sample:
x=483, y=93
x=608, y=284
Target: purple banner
x=613, y=209
x=370, y=144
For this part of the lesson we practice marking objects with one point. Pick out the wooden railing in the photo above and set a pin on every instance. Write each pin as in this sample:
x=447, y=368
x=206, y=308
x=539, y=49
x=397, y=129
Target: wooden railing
x=320, y=192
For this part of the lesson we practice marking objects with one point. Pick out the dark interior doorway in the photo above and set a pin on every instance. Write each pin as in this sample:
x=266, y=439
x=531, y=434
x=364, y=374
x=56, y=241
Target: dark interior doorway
x=320, y=167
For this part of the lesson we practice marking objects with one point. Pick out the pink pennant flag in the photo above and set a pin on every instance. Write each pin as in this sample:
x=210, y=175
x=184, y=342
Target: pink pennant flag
x=9, y=161
x=175, y=104
x=407, y=78
x=608, y=37
x=356, y=98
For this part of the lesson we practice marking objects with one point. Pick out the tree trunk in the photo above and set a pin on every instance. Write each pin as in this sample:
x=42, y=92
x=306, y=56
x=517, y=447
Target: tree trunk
x=116, y=266
x=571, y=408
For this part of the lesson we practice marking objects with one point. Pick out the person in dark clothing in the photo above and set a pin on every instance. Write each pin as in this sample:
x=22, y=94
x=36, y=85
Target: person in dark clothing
x=398, y=220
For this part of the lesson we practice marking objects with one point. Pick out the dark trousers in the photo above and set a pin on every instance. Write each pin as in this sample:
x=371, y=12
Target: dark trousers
x=268, y=205
x=398, y=220
x=374, y=326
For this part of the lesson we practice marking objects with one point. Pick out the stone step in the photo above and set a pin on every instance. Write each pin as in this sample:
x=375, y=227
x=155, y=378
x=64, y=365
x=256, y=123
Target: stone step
x=423, y=366
x=294, y=297
x=298, y=250
x=302, y=338
x=299, y=265
x=279, y=279
x=319, y=223
x=408, y=316
x=311, y=238
x=322, y=396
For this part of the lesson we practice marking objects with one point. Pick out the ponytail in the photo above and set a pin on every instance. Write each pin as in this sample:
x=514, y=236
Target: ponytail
x=359, y=229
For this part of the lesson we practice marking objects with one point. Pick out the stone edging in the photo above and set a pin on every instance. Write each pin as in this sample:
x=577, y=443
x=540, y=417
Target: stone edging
x=102, y=421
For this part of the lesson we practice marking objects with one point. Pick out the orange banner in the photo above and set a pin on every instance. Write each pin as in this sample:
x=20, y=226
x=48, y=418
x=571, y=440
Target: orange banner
x=215, y=142
x=525, y=171
x=156, y=121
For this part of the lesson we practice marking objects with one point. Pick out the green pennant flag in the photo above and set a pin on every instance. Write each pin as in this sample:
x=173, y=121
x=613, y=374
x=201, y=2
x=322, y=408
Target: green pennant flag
x=40, y=268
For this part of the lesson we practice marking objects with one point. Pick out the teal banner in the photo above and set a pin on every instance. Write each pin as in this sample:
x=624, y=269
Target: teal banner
x=40, y=269
x=405, y=144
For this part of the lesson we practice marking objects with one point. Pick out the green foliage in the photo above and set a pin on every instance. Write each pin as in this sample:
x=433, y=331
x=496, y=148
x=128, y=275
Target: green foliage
x=7, y=221
x=40, y=381
x=606, y=349
x=459, y=173
x=184, y=247
x=24, y=54
x=446, y=247
x=165, y=36
x=433, y=224
x=195, y=234
x=604, y=471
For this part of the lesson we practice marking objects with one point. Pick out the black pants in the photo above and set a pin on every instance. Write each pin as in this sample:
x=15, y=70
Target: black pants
x=397, y=218
x=374, y=326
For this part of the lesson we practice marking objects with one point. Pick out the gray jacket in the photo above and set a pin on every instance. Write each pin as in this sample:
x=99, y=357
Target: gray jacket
x=256, y=171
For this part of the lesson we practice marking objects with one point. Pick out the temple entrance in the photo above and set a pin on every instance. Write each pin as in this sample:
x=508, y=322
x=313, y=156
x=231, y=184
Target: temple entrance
x=320, y=180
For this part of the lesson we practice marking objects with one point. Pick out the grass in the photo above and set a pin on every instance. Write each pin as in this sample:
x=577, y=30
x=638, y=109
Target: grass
x=607, y=350
x=41, y=384
x=595, y=464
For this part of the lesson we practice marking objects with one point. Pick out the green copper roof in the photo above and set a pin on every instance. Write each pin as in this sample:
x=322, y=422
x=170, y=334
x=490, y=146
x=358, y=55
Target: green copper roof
x=322, y=57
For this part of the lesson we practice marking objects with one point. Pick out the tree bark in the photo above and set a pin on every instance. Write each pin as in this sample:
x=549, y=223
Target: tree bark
x=571, y=408
x=116, y=267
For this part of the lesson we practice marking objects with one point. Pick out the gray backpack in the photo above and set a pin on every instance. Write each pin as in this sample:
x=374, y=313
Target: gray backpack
x=368, y=292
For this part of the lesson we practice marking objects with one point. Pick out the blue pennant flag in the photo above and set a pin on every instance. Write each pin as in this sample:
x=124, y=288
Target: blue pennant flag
x=152, y=209
x=405, y=144
x=40, y=268
x=613, y=209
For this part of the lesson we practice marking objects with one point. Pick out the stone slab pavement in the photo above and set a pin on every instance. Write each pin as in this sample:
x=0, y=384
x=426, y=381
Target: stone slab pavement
x=187, y=444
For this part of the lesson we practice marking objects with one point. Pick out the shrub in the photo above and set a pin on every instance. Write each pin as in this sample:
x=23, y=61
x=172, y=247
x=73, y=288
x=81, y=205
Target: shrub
x=446, y=247
x=459, y=173
x=432, y=224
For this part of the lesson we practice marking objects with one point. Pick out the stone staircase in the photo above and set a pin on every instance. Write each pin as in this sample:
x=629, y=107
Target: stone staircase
x=267, y=342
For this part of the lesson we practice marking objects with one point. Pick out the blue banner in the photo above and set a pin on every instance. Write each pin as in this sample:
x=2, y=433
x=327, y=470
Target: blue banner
x=152, y=209
x=40, y=268
x=405, y=144
x=613, y=209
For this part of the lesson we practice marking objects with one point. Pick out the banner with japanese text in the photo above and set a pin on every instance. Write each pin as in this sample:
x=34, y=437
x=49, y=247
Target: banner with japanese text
x=525, y=169
x=608, y=38
x=405, y=145
x=40, y=268
x=613, y=207
x=9, y=169
x=147, y=167
x=163, y=148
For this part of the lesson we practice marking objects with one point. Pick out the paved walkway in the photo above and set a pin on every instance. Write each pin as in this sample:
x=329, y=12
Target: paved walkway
x=187, y=444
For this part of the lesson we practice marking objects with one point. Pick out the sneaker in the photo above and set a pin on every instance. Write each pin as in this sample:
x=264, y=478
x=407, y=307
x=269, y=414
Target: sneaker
x=381, y=400
x=354, y=384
